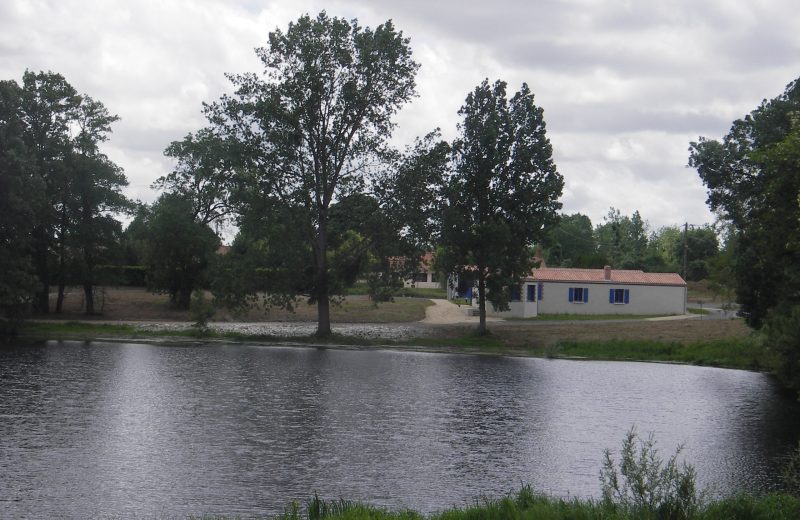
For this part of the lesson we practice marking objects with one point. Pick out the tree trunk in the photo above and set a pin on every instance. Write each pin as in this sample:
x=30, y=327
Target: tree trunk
x=61, y=260
x=323, y=297
x=41, y=301
x=60, y=300
x=184, y=300
x=323, y=317
x=482, y=302
x=88, y=292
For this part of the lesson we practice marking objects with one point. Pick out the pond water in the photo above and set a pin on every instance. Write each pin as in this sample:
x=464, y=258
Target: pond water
x=93, y=429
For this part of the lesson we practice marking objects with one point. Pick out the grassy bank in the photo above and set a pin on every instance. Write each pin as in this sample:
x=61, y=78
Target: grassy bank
x=745, y=353
x=528, y=505
x=748, y=353
x=676, y=342
x=137, y=304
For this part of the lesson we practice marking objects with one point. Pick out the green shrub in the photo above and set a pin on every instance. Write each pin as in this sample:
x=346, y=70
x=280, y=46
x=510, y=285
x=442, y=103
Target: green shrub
x=646, y=486
x=201, y=310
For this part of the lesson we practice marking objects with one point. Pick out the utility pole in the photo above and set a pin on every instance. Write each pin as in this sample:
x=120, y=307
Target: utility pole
x=685, y=249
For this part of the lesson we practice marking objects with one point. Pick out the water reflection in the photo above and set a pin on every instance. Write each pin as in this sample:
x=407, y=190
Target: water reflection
x=141, y=430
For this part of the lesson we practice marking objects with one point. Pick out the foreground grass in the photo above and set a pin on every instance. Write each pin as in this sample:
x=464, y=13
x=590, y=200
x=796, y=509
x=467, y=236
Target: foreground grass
x=409, y=292
x=586, y=317
x=744, y=353
x=528, y=505
x=741, y=353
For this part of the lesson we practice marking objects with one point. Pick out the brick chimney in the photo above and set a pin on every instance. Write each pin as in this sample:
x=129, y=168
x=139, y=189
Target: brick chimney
x=607, y=272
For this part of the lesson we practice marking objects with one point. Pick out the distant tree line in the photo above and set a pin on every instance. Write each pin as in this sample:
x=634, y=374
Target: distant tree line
x=628, y=242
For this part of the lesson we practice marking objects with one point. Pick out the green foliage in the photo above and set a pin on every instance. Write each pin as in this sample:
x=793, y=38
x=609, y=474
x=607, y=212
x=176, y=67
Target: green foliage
x=702, y=247
x=747, y=353
x=622, y=239
x=571, y=243
x=753, y=182
x=791, y=473
x=202, y=175
x=201, y=310
x=526, y=504
x=783, y=338
x=20, y=188
x=644, y=485
x=502, y=193
x=63, y=192
x=311, y=130
x=176, y=248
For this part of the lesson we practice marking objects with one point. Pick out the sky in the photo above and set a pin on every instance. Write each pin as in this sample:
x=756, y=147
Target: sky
x=625, y=85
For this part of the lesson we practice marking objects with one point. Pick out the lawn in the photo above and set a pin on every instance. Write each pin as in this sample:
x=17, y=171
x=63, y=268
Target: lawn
x=137, y=304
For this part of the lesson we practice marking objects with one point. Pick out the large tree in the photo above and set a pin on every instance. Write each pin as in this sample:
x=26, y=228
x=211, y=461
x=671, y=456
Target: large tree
x=20, y=201
x=502, y=193
x=79, y=187
x=176, y=247
x=48, y=106
x=311, y=129
x=753, y=181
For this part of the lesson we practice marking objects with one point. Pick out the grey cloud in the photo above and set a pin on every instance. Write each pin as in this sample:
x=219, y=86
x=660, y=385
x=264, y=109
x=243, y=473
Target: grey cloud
x=615, y=118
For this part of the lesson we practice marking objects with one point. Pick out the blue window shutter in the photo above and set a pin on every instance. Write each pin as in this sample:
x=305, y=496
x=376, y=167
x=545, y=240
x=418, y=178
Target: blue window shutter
x=541, y=290
x=531, y=292
x=611, y=296
x=515, y=293
x=585, y=295
x=627, y=296
x=571, y=294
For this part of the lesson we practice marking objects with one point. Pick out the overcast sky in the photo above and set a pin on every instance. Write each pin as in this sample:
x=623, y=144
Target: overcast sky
x=625, y=84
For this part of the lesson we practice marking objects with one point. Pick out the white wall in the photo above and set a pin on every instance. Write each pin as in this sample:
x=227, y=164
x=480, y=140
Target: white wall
x=518, y=309
x=427, y=284
x=644, y=299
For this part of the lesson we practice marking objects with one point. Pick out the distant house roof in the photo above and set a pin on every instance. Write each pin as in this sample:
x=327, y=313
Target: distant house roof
x=223, y=250
x=425, y=262
x=555, y=274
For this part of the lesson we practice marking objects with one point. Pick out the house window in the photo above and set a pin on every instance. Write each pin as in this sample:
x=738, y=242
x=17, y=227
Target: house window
x=515, y=297
x=435, y=277
x=578, y=295
x=531, y=293
x=421, y=277
x=619, y=296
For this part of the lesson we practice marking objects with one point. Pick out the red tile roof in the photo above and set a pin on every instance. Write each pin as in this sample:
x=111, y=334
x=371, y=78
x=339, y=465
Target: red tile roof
x=555, y=274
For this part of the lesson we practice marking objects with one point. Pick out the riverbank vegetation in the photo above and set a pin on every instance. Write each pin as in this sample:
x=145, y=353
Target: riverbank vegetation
x=719, y=343
x=529, y=505
x=640, y=485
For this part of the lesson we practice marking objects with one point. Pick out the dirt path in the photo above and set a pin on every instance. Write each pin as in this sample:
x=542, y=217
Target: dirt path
x=443, y=312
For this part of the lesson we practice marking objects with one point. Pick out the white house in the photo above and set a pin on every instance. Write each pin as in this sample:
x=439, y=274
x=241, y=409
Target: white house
x=597, y=291
x=426, y=276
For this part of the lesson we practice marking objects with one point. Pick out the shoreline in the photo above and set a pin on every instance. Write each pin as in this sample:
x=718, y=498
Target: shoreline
x=742, y=353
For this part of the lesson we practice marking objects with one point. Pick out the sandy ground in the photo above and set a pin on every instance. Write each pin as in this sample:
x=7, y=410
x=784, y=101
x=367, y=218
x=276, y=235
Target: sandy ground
x=444, y=312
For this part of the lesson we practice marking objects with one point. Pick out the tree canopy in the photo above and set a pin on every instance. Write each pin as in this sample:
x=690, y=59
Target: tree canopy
x=63, y=191
x=502, y=193
x=753, y=182
x=312, y=129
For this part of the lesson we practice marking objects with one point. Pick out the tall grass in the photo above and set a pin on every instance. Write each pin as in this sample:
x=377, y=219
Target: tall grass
x=747, y=353
x=526, y=504
x=642, y=486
